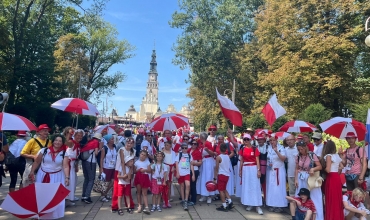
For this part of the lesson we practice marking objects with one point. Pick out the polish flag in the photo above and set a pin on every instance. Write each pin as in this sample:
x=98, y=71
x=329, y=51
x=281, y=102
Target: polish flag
x=273, y=110
x=229, y=110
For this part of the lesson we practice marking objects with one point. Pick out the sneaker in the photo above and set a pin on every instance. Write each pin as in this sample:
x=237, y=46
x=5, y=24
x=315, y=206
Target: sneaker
x=230, y=206
x=278, y=210
x=153, y=208
x=202, y=199
x=76, y=199
x=259, y=210
x=104, y=199
x=248, y=208
x=185, y=205
x=222, y=208
x=83, y=199
x=69, y=203
x=159, y=208
x=88, y=200
x=209, y=200
x=146, y=210
x=191, y=204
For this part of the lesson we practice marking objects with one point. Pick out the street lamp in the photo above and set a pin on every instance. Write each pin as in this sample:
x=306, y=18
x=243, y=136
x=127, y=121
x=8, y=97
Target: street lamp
x=367, y=39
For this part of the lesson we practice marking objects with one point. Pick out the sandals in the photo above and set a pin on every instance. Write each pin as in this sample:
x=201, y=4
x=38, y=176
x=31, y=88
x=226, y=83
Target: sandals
x=146, y=210
x=131, y=211
x=120, y=212
x=216, y=198
x=139, y=209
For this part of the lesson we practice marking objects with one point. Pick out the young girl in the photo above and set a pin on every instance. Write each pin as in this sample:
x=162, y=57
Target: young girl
x=124, y=185
x=170, y=162
x=141, y=181
x=353, y=204
x=159, y=181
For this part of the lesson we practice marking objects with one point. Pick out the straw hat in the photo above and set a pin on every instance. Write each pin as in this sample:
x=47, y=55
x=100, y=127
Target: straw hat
x=315, y=180
x=97, y=136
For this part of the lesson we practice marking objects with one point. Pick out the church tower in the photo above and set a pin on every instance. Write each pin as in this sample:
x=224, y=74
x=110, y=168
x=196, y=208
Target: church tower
x=149, y=105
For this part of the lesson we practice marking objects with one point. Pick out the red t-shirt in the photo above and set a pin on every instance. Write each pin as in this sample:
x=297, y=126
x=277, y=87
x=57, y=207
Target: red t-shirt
x=311, y=147
x=195, y=154
x=217, y=150
x=248, y=154
x=308, y=205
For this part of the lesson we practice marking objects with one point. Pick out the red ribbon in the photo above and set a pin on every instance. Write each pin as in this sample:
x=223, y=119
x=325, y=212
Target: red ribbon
x=54, y=153
x=46, y=178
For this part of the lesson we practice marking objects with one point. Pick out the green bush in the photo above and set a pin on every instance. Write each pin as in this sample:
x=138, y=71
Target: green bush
x=315, y=114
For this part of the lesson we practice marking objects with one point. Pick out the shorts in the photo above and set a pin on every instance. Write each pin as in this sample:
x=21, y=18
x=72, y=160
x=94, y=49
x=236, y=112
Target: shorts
x=182, y=179
x=109, y=174
x=124, y=190
x=299, y=215
x=291, y=182
x=222, y=182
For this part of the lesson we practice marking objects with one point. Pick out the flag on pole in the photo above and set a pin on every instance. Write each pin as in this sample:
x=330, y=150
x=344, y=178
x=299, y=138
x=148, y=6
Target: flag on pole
x=273, y=110
x=367, y=135
x=229, y=110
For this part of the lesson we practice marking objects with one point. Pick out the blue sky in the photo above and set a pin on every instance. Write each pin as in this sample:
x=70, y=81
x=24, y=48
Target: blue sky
x=142, y=22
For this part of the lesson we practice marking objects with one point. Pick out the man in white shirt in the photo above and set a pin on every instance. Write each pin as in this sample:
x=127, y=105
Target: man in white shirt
x=318, y=144
x=291, y=153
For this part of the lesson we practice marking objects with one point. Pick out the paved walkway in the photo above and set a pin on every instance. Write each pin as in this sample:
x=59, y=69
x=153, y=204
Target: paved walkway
x=98, y=210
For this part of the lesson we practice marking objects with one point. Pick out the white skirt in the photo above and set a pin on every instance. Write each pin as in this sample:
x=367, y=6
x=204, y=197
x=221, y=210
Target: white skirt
x=251, y=187
x=54, y=178
x=315, y=194
x=72, y=181
x=207, y=174
x=276, y=194
x=238, y=186
x=230, y=184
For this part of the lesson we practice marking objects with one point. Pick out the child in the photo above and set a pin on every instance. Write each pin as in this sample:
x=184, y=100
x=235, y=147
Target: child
x=141, y=181
x=222, y=172
x=183, y=168
x=353, y=205
x=159, y=181
x=305, y=209
x=124, y=185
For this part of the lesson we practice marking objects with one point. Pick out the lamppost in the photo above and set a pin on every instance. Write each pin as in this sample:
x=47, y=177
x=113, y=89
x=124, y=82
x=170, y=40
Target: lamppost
x=232, y=96
x=367, y=39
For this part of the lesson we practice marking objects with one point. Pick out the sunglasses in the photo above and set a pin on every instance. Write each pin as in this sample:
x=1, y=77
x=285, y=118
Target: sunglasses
x=194, y=143
x=149, y=135
x=130, y=142
x=184, y=148
x=186, y=139
x=246, y=139
x=315, y=139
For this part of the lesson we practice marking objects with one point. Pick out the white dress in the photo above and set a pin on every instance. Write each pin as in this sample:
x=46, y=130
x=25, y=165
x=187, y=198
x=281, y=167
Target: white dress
x=206, y=173
x=237, y=178
x=275, y=179
x=50, y=166
x=72, y=155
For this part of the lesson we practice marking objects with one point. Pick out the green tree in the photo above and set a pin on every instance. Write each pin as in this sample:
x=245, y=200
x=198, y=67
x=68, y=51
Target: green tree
x=359, y=111
x=315, y=114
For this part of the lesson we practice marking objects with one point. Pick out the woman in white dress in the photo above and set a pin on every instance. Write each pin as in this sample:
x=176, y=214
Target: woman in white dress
x=206, y=169
x=306, y=166
x=276, y=177
x=169, y=161
x=54, y=168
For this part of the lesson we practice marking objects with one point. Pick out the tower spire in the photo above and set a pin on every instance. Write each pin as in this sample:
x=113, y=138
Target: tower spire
x=153, y=63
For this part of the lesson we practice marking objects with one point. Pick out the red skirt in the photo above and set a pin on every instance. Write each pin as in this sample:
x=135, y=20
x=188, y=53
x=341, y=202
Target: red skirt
x=142, y=179
x=333, y=197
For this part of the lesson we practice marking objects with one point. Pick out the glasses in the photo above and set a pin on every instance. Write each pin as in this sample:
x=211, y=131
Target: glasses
x=194, y=143
x=315, y=139
x=186, y=139
x=246, y=139
x=184, y=148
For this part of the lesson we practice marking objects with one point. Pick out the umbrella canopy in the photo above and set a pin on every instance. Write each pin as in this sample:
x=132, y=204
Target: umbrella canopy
x=108, y=127
x=75, y=105
x=281, y=135
x=339, y=127
x=11, y=122
x=33, y=201
x=170, y=121
x=298, y=126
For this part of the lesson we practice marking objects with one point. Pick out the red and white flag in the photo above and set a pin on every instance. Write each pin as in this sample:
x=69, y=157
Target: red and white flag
x=273, y=110
x=229, y=110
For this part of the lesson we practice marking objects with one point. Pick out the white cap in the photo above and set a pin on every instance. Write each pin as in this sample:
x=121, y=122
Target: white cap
x=247, y=136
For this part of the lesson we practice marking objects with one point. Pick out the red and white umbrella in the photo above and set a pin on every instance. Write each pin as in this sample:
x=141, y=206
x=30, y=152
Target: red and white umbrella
x=35, y=200
x=170, y=121
x=339, y=127
x=298, y=126
x=281, y=135
x=76, y=105
x=109, y=128
x=11, y=122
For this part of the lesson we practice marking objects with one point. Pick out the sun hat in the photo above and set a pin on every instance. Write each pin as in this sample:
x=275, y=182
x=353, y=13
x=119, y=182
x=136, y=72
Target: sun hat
x=315, y=180
x=351, y=135
x=108, y=137
x=317, y=135
x=211, y=186
x=97, y=136
x=22, y=133
x=261, y=136
x=43, y=126
x=299, y=136
x=249, y=129
x=212, y=127
x=304, y=191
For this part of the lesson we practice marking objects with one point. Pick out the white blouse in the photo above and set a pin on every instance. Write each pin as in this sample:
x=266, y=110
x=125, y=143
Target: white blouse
x=335, y=161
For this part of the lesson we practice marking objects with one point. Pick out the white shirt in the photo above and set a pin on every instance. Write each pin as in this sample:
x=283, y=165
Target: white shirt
x=159, y=170
x=122, y=181
x=184, y=164
x=212, y=140
x=317, y=149
x=17, y=146
x=141, y=165
x=335, y=161
x=262, y=149
x=273, y=158
x=291, y=154
x=126, y=153
x=224, y=166
x=109, y=161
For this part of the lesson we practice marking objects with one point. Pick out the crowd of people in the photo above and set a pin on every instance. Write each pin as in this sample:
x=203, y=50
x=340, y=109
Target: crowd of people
x=257, y=168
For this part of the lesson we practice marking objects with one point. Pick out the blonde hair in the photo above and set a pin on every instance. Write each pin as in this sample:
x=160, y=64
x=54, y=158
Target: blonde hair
x=358, y=192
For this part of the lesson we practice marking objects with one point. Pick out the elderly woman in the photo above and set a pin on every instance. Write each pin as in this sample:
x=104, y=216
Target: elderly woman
x=72, y=152
x=207, y=168
x=108, y=163
x=250, y=174
x=126, y=151
x=54, y=168
x=306, y=164
x=276, y=176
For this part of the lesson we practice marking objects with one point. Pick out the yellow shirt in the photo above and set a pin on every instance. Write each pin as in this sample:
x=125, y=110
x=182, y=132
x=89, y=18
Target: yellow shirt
x=32, y=147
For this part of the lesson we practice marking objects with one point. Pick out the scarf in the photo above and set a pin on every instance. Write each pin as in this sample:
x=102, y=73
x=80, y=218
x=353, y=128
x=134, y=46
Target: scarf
x=54, y=153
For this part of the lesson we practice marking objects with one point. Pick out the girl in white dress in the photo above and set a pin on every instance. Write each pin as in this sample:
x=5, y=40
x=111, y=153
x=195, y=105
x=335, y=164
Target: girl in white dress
x=169, y=161
x=276, y=177
x=54, y=169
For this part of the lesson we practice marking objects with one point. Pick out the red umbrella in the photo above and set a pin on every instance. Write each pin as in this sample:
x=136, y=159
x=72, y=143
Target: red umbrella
x=170, y=121
x=281, y=135
x=339, y=127
x=75, y=105
x=298, y=126
x=109, y=128
x=11, y=122
x=35, y=200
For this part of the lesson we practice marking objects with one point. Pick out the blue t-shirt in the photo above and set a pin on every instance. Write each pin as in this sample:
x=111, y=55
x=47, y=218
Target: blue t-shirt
x=3, y=140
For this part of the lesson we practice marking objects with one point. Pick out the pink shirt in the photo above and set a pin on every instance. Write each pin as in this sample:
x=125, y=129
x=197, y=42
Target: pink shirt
x=353, y=161
x=304, y=163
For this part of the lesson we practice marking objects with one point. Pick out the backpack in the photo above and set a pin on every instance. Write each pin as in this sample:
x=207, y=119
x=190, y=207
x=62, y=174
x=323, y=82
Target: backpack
x=98, y=157
x=10, y=159
x=234, y=159
x=367, y=173
x=310, y=155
